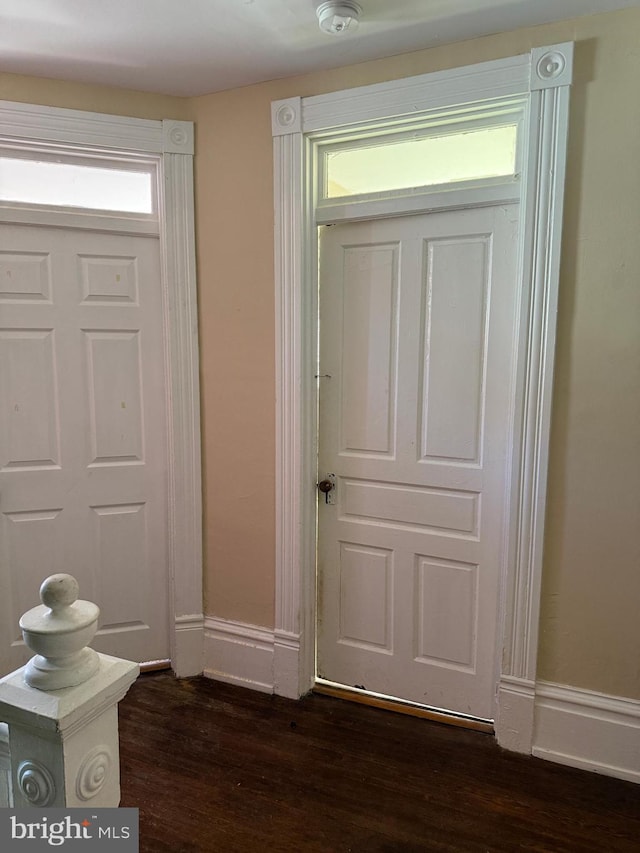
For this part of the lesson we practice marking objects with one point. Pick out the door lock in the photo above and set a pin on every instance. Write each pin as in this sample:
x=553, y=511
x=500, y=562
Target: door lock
x=327, y=487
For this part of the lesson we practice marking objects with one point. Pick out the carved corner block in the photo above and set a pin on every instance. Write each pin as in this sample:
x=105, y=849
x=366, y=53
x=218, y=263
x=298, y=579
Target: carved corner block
x=551, y=66
x=286, y=116
x=177, y=137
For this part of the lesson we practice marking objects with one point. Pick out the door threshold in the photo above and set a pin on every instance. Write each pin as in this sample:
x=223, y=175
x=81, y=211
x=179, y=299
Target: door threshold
x=155, y=665
x=402, y=706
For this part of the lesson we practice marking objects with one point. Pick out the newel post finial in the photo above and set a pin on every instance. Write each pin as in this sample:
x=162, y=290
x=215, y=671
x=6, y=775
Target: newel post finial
x=59, y=631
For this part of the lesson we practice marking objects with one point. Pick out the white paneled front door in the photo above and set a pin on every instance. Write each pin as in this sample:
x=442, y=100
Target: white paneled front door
x=416, y=361
x=83, y=435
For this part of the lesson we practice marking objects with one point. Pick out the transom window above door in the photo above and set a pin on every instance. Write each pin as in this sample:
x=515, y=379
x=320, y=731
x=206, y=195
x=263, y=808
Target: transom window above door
x=95, y=185
x=421, y=159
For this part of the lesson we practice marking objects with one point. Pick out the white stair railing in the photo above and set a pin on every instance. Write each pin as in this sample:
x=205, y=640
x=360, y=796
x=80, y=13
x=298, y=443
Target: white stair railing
x=59, y=746
x=6, y=799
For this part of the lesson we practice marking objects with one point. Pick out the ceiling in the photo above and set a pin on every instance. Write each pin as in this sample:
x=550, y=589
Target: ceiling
x=192, y=47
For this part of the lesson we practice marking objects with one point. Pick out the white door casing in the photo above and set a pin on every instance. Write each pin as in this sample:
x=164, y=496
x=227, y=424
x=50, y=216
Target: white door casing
x=83, y=482
x=168, y=144
x=541, y=82
x=416, y=364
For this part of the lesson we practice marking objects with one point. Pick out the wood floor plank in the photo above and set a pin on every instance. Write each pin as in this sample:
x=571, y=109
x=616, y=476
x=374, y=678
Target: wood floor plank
x=214, y=767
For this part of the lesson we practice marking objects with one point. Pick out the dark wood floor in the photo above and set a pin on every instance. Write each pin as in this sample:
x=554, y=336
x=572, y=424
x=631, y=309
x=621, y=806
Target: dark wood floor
x=218, y=768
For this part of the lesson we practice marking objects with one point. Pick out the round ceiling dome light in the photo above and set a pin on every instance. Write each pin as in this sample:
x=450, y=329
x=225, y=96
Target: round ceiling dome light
x=337, y=16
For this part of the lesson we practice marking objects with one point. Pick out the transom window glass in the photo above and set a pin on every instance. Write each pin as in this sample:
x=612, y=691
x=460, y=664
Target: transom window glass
x=73, y=185
x=406, y=163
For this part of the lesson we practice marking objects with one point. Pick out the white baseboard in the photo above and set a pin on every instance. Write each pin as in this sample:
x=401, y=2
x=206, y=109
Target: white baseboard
x=254, y=657
x=286, y=665
x=188, y=645
x=239, y=653
x=514, y=722
x=588, y=730
x=579, y=728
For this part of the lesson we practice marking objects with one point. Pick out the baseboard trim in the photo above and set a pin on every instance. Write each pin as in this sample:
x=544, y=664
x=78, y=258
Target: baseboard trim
x=588, y=730
x=188, y=640
x=567, y=725
x=514, y=719
x=239, y=653
x=286, y=665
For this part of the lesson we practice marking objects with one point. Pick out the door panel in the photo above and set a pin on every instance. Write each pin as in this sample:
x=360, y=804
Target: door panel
x=83, y=440
x=369, y=312
x=453, y=347
x=416, y=344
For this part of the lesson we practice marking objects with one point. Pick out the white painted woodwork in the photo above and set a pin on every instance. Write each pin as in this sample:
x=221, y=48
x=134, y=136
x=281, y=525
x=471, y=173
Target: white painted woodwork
x=589, y=730
x=579, y=728
x=63, y=744
x=59, y=630
x=61, y=741
x=83, y=445
x=6, y=790
x=540, y=82
x=241, y=654
x=417, y=335
x=168, y=145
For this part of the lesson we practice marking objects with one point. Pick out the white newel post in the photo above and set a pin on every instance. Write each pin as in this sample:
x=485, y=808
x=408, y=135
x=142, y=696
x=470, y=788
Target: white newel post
x=62, y=707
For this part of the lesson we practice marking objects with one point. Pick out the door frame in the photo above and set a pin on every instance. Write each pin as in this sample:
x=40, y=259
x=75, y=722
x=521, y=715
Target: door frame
x=170, y=144
x=541, y=80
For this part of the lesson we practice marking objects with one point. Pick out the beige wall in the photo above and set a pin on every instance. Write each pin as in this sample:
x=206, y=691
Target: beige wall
x=590, y=623
x=97, y=99
x=590, y=630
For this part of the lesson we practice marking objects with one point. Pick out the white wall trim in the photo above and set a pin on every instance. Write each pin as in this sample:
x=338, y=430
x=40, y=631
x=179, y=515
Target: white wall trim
x=543, y=203
x=409, y=96
x=295, y=480
x=589, y=730
x=239, y=653
x=170, y=143
x=187, y=654
x=541, y=81
x=286, y=664
x=578, y=728
x=514, y=723
x=542, y=213
x=79, y=129
x=182, y=359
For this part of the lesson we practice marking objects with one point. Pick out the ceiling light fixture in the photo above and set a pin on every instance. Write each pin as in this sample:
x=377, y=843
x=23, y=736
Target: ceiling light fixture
x=337, y=16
